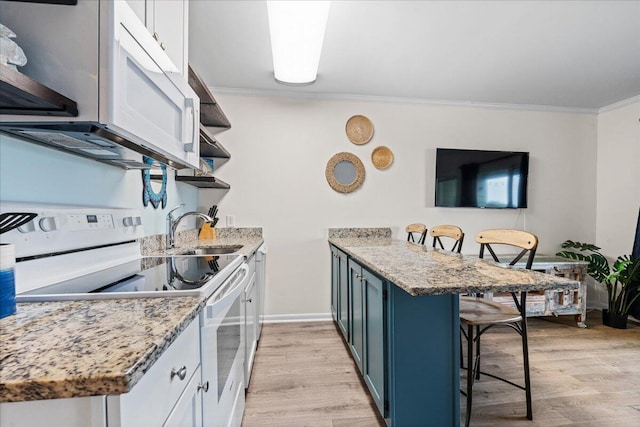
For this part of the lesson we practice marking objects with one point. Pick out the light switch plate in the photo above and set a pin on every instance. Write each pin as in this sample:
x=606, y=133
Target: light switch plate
x=231, y=221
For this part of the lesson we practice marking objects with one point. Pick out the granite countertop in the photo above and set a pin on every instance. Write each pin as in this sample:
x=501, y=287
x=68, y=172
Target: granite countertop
x=422, y=271
x=63, y=349
x=52, y=350
x=249, y=238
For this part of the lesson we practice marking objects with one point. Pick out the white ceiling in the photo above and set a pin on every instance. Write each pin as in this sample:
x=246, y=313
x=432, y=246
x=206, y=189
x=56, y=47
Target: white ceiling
x=579, y=54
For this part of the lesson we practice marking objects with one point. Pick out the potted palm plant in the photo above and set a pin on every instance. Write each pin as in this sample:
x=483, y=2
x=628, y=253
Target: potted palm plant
x=618, y=278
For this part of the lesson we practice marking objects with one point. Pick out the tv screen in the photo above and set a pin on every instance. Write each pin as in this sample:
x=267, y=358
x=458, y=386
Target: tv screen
x=481, y=179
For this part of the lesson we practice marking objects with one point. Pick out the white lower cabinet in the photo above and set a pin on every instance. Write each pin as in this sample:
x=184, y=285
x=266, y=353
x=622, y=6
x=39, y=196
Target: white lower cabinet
x=74, y=412
x=167, y=394
x=151, y=401
x=188, y=410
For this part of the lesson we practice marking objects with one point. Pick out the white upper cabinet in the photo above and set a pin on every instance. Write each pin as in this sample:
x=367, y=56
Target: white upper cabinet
x=139, y=7
x=167, y=21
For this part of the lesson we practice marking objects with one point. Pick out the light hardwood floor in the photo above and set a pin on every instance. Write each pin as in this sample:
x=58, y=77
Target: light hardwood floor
x=304, y=376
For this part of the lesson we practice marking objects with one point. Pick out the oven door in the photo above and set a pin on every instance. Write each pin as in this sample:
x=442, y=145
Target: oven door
x=222, y=351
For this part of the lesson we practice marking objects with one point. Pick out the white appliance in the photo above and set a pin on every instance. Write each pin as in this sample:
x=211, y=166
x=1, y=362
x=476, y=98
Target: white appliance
x=250, y=300
x=261, y=279
x=132, y=100
x=222, y=352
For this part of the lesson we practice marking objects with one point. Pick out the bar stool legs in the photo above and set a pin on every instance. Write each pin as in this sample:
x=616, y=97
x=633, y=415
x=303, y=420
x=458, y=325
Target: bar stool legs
x=473, y=335
x=470, y=373
x=527, y=379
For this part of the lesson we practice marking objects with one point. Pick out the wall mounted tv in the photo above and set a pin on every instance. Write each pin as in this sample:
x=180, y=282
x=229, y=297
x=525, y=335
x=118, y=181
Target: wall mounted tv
x=481, y=179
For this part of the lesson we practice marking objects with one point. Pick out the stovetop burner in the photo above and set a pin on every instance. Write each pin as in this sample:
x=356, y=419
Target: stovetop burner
x=144, y=277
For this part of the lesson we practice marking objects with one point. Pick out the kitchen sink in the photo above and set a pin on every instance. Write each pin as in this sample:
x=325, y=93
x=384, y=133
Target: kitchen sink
x=216, y=250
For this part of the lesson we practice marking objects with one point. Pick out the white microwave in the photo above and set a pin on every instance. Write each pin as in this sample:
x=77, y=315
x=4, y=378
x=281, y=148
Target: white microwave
x=132, y=100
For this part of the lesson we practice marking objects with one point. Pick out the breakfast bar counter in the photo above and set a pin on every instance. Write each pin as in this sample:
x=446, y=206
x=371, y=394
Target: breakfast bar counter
x=396, y=304
x=421, y=271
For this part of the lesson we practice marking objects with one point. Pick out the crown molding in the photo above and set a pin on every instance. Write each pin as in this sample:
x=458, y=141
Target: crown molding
x=619, y=104
x=400, y=100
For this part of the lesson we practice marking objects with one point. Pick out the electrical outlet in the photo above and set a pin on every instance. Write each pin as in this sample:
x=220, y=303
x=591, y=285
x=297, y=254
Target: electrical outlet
x=231, y=221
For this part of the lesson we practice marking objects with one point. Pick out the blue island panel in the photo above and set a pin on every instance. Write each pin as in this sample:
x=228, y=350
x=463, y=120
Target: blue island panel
x=424, y=376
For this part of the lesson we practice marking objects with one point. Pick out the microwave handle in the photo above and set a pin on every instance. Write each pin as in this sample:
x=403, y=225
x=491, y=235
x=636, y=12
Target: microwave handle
x=190, y=144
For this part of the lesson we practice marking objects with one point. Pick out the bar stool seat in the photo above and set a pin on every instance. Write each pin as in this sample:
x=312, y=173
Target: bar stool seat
x=479, y=311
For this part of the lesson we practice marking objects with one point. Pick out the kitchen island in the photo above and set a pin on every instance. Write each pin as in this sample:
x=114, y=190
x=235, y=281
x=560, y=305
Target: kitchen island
x=396, y=304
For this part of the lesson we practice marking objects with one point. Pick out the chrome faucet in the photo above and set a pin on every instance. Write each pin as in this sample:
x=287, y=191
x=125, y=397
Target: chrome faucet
x=172, y=224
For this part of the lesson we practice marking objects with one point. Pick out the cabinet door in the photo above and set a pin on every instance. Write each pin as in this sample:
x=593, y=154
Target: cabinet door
x=356, y=341
x=374, y=333
x=335, y=278
x=188, y=410
x=250, y=315
x=169, y=21
x=140, y=9
x=343, y=296
x=151, y=400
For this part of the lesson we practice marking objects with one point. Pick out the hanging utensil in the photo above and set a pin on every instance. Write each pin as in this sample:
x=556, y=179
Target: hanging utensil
x=11, y=220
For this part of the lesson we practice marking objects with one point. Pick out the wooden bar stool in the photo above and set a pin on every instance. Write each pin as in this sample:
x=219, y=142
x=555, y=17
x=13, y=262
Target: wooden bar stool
x=419, y=229
x=450, y=231
x=479, y=315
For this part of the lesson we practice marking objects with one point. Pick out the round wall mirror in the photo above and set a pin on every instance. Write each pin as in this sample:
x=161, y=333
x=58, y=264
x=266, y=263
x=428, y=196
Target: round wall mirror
x=345, y=172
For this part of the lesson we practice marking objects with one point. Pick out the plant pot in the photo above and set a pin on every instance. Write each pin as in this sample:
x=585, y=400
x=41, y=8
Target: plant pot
x=618, y=321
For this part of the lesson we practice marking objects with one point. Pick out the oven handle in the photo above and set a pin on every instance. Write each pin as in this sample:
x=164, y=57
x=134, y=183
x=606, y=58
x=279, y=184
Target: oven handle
x=220, y=302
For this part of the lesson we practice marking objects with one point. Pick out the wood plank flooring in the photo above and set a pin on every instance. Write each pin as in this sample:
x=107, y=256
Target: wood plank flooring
x=304, y=376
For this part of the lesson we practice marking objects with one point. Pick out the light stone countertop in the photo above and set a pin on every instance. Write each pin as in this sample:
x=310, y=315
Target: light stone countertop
x=63, y=349
x=249, y=238
x=52, y=350
x=422, y=271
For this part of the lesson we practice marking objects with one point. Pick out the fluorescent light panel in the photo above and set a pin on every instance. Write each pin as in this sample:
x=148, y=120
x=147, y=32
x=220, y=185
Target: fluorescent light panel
x=297, y=32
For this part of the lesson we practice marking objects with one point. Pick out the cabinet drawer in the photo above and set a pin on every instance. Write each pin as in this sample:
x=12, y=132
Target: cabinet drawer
x=152, y=399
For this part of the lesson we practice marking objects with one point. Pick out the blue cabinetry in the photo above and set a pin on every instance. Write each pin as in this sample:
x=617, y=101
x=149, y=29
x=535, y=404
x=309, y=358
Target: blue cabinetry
x=340, y=290
x=356, y=311
x=367, y=332
x=335, y=277
x=406, y=347
x=374, y=297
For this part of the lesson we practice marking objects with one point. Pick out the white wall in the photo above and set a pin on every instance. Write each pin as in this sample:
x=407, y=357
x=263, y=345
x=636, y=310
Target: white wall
x=33, y=173
x=618, y=184
x=280, y=146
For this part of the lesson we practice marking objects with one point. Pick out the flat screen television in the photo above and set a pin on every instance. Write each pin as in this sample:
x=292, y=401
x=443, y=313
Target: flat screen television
x=481, y=178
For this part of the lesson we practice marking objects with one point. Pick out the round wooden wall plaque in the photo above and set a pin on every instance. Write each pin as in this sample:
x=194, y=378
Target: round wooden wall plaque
x=359, y=130
x=382, y=157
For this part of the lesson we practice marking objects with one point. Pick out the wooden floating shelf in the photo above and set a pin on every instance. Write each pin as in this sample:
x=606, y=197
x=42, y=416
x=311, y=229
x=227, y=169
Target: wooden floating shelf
x=211, y=147
x=211, y=114
x=21, y=95
x=198, y=181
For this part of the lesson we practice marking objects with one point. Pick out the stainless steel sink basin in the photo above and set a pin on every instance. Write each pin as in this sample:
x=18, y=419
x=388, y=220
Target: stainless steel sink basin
x=217, y=250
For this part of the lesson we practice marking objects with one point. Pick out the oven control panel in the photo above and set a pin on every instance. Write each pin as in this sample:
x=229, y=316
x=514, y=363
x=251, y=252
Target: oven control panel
x=57, y=228
x=90, y=221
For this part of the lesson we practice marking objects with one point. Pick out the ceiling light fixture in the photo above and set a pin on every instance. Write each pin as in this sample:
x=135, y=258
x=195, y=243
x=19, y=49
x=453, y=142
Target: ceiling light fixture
x=297, y=32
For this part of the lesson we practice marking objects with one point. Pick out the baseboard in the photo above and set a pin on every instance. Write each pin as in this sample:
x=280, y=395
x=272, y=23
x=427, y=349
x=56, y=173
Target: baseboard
x=302, y=317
